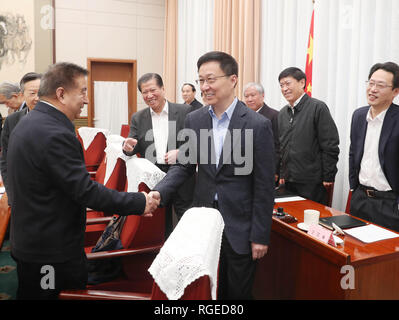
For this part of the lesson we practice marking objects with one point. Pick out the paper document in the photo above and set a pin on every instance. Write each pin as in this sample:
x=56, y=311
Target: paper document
x=371, y=233
x=288, y=199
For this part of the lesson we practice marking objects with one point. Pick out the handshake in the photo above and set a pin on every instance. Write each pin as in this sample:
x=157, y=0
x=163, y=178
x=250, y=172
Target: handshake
x=153, y=199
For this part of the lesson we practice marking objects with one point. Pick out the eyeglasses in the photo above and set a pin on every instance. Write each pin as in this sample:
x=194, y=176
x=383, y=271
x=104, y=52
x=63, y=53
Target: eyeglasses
x=285, y=84
x=212, y=80
x=378, y=85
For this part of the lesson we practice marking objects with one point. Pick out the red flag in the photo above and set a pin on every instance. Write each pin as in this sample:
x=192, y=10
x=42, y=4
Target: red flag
x=309, y=59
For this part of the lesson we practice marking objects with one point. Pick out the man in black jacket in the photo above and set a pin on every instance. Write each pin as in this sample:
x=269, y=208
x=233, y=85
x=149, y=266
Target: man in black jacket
x=50, y=188
x=308, y=140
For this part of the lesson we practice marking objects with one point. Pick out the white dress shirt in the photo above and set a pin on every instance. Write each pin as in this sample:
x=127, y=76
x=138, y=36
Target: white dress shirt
x=371, y=173
x=160, y=127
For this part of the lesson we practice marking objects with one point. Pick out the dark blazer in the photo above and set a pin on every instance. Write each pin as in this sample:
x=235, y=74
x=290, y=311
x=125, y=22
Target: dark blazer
x=272, y=115
x=195, y=105
x=245, y=199
x=388, y=148
x=141, y=124
x=50, y=188
x=9, y=124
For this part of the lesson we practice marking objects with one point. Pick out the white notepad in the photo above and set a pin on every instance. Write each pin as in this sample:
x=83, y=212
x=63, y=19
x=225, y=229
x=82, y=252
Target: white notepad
x=371, y=233
x=288, y=199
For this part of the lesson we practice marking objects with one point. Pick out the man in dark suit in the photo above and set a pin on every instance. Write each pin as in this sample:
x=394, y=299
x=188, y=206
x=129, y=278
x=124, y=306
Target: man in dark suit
x=188, y=93
x=29, y=85
x=50, y=189
x=254, y=95
x=374, y=150
x=233, y=148
x=153, y=134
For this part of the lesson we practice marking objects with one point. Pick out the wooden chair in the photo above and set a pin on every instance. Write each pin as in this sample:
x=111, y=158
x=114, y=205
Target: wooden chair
x=125, y=130
x=199, y=289
x=348, y=203
x=5, y=213
x=94, y=154
x=141, y=239
x=330, y=193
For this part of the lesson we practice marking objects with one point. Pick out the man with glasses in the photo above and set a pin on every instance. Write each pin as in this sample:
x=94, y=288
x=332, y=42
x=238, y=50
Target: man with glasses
x=374, y=150
x=221, y=134
x=153, y=134
x=308, y=140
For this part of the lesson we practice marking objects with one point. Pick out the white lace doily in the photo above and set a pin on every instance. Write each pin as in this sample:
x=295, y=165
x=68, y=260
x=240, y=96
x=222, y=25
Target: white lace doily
x=142, y=170
x=191, y=251
x=113, y=151
x=88, y=134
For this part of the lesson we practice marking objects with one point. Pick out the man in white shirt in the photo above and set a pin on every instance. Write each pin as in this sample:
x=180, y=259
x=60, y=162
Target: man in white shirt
x=374, y=150
x=153, y=135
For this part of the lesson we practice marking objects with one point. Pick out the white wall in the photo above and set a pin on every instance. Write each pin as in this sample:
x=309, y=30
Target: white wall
x=118, y=29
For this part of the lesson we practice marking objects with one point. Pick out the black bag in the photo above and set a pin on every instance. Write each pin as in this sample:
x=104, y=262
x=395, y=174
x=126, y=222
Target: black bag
x=107, y=269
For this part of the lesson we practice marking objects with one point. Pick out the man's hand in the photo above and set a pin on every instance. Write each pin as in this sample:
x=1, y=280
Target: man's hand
x=129, y=144
x=171, y=156
x=258, y=250
x=281, y=181
x=327, y=184
x=151, y=204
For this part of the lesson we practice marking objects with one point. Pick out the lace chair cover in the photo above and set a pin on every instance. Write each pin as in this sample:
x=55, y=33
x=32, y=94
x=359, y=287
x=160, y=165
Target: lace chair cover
x=113, y=151
x=191, y=251
x=140, y=170
x=88, y=134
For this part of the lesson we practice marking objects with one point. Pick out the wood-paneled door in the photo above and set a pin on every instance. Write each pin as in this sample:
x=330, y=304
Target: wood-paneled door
x=112, y=70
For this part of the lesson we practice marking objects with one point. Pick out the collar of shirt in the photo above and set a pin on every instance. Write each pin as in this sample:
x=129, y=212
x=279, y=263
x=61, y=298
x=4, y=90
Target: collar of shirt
x=294, y=107
x=49, y=104
x=165, y=109
x=227, y=113
x=380, y=117
x=22, y=106
x=261, y=107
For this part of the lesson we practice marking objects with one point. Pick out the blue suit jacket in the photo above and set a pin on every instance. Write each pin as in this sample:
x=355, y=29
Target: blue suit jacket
x=388, y=148
x=245, y=199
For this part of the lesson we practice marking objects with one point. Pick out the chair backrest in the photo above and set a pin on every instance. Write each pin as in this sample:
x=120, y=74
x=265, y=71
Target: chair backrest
x=139, y=232
x=125, y=130
x=95, y=152
x=191, y=251
x=330, y=193
x=348, y=203
x=200, y=289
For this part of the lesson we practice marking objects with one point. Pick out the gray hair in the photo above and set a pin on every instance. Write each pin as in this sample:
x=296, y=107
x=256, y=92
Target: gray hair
x=256, y=85
x=7, y=89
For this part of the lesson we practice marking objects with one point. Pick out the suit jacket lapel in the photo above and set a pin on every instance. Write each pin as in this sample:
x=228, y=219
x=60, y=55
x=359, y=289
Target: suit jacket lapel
x=387, y=127
x=172, y=134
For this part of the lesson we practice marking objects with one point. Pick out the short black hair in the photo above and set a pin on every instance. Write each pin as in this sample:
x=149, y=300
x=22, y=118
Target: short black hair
x=189, y=84
x=30, y=76
x=294, y=72
x=391, y=67
x=149, y=76
x=61, y=74
x=228, y=64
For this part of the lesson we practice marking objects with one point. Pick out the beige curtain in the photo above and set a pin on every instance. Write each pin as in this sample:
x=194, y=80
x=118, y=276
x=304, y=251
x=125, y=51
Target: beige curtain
x=237, y=32
x=170, y=50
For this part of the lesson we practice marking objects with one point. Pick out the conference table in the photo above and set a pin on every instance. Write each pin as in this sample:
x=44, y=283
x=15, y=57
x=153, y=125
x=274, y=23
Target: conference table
x=299, y=266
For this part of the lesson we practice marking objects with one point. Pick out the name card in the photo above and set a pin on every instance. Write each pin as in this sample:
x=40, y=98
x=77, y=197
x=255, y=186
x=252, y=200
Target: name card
x=323, y=234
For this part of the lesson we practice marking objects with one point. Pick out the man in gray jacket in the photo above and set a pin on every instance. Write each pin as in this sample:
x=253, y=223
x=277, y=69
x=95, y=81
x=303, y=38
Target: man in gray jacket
x=308, y=140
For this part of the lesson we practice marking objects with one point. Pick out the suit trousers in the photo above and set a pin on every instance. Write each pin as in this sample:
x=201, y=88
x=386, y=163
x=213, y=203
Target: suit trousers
x=44, y=281
x=312, y=191
x=379, y=210
x=236, y=274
